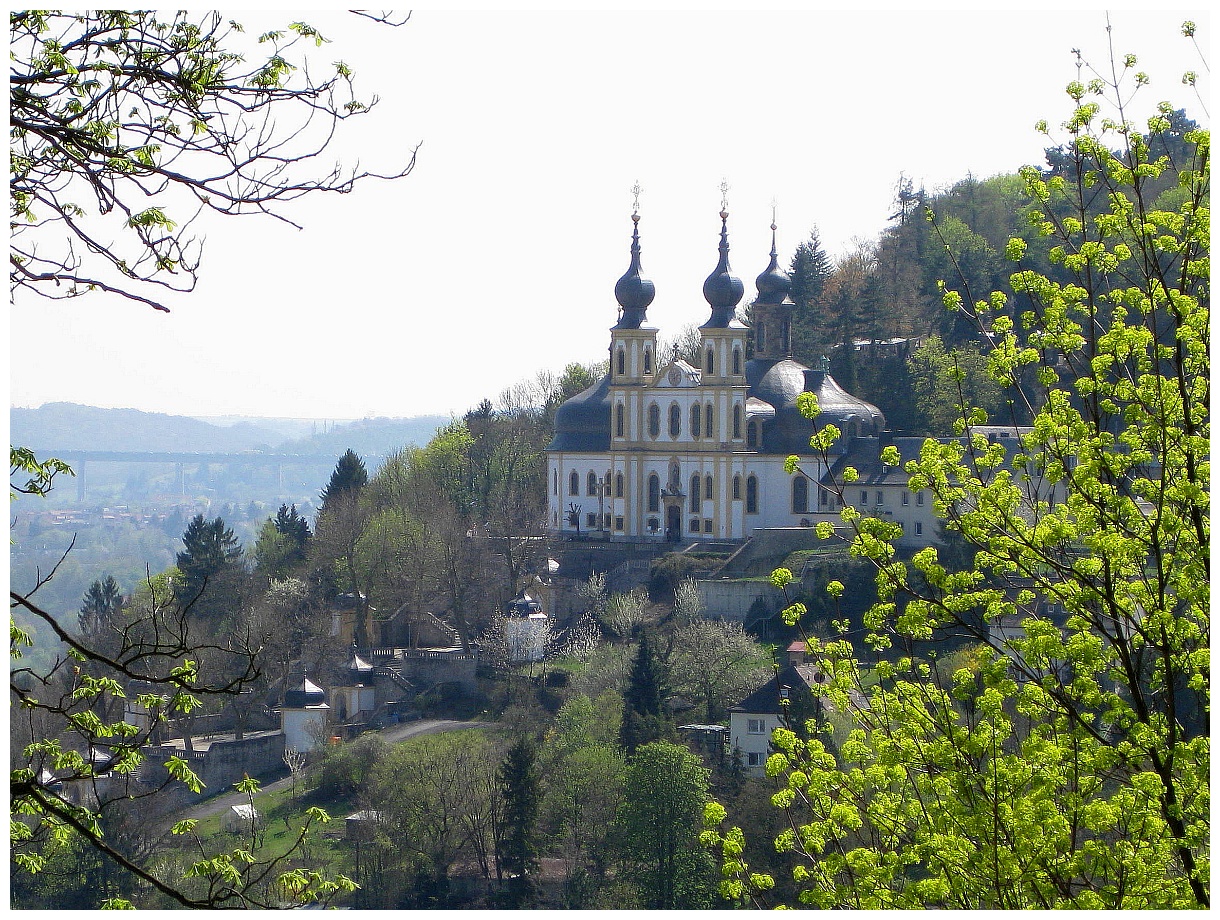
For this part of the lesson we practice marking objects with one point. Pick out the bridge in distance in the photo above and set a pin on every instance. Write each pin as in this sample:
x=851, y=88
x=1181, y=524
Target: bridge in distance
x=79, y=460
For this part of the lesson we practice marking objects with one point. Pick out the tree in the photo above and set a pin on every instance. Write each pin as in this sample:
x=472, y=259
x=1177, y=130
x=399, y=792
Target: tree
x=659, y=822
x=716, y=663
x=517, y=847
x=210, y=552
x=1067, y=764
x=125, y=127
x=346, y=481
x=644, y=716
x=101, y=606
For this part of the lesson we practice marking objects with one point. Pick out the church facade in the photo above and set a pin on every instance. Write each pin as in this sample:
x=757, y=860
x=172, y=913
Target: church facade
x=684, y=453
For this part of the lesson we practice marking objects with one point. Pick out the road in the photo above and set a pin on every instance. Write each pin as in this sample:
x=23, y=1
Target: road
x=392, y=735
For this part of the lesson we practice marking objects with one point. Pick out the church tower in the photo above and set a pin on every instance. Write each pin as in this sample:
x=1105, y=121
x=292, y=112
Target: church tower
x=633, y=345
x=771, y=315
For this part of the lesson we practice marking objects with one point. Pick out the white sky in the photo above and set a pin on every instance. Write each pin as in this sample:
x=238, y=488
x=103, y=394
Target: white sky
x=497, y=257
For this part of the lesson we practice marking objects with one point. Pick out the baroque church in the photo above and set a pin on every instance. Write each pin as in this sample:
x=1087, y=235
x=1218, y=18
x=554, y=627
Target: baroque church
x=681, y=453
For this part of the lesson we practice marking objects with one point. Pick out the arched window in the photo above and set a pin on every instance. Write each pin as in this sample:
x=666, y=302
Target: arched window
x=752, y=434
x=800, y=494
x=573, y=484
x=622, y=361
x=696, y=421
x=751, y=495
x=619, y=424
x=709, y=422
x=707, y=487
x=591, y=483
x=654, y=420
x=696, y=490
x=675, y=420
x=647, y=361
x=711, y=362
x=736, y=360
x=737, y=423
x=737, y=488
x=618, y=485
x=654, y=492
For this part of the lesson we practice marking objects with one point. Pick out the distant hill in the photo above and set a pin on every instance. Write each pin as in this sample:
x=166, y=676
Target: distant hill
x=70, y=426
x=370, y=437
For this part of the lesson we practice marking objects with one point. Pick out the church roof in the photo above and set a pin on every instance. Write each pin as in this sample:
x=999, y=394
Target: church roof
x=582, y=424
x=779, y=383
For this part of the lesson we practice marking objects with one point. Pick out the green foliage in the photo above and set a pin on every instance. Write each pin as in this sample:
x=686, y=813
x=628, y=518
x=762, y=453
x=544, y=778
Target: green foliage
x=1064, y=760
x=517, y=846
x=210, y=551
x=348, y=478
x=119, y=118
x=39, y=474
x=659, y=823
x=644, y=716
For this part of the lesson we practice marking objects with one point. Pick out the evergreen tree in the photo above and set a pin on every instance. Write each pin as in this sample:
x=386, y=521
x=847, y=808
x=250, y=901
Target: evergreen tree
x=644, y=716
x=293, y=525
x=517, y=848
x=210, y=549
x=348, y=478
x=810, y=269
x=102, y=603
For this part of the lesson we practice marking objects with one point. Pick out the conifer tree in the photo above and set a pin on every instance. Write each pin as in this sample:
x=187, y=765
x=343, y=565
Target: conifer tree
x=348, y=478
x=644, y=702
x=517, y=848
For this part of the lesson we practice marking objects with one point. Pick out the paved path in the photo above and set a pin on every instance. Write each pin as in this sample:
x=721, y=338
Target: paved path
x=392, y=735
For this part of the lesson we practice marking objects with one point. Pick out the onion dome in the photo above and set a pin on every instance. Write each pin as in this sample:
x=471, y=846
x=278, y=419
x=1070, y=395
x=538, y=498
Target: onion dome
x=722, y=289
x=774, y=285
x=778, y=383
x=522, y=606
x=633, y=291
x=303, y=694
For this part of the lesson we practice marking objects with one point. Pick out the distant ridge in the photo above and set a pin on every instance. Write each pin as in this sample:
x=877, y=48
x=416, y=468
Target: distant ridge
x=71, y=426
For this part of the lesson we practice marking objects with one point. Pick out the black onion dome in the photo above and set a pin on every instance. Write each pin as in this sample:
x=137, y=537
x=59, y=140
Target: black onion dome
x=773, y=284
x=722, y=289
x=779, y=383
x=304, y=693
x=582, y=423
x=633, y=291
x=522, y=606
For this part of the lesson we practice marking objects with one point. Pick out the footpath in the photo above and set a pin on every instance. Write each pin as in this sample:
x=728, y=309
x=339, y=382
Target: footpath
x=392, y=735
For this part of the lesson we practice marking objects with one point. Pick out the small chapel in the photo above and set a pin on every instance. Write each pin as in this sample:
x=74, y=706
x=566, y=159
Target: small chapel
x=675, y=453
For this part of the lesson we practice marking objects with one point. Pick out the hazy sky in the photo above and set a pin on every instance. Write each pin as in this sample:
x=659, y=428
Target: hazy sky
x=497, y=257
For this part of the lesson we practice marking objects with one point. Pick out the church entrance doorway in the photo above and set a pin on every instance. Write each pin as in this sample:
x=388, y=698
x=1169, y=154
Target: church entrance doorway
x=673, y=523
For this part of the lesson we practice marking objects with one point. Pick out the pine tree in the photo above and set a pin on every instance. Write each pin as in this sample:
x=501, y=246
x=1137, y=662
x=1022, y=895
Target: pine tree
x=209, y=550
x=644, y=718
x=348, y=478
x=102, y=603
x=517, y=848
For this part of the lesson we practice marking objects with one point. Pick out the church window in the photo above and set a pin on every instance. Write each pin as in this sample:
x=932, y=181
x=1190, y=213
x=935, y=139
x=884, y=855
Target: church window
x=696, y=490
x=590, y=520
x=654, y=420
x=709, y=420
x=619, y=423
x=760, y=338
x=675, y=421
x=707, y=525
x=696, y=420
x=711, y=362
x=737, y=423
x=823, y=497
x=694, y=525
x=554, y=482
x=736, y=488
x=752, y=434
x=574, y=484
x=622, y=361
x=618, y=486
x=647, y=361
x=618, y=522
x=736, y=360
x=800, y=495
x=707, y=487
x=751, y=495
x=654, y=492
x=591, y=483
